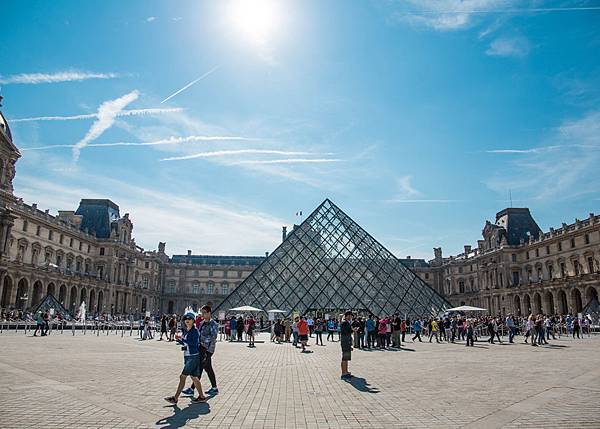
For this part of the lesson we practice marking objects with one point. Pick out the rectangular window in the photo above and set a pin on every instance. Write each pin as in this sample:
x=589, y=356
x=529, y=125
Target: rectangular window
x=590, y=262
x=102, y=251
x=58, y=260
x=172, y=286
x=239, y=274
x=513, y=257
x=80, y=246
x=210, y=288
x=572, y=243
x=550, y=269
x=146, y=264
x=89, y=248
x=527, y=255
x=426, y=276
x=560, y=246
x=587, y=239
x=50, y=234
x=70, y=242
x=225, y=289
x=576, y=267
x=38, y=230
x=460, y=269
x=539, y=274
x=537, y=253
x=78, y=266
x=547, y=250
x=562, y=269
x=146, y=282
x=25, y=224
x=61, y=239
x=195, y=288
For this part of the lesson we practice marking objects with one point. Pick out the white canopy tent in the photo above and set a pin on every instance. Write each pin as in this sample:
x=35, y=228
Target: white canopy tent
x=275, y=311
x=247, y=308
x=467, y=308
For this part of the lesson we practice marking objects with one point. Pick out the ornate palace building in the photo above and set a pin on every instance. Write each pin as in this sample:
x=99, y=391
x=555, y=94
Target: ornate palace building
x=517, y=268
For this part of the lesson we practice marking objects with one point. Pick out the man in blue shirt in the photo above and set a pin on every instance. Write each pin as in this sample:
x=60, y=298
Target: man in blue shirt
x=190, y=341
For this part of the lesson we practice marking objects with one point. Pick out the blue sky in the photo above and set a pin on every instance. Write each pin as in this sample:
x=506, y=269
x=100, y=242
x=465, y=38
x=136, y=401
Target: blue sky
x=416, y=117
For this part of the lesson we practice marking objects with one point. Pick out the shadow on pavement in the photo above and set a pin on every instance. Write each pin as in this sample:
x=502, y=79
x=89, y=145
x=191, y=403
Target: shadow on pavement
x=361, y=384
x=181, y=416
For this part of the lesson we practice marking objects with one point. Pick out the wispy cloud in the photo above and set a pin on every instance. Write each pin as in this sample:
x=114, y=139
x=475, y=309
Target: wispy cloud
x=565, y=169
x=405, y=187
x=517, y=46
x=208, y=73
x=221, y=153
x=64, y=76
x=416, y=201
x=107, y=112
x=132, y=112
x=209, y=225
x=168, y=141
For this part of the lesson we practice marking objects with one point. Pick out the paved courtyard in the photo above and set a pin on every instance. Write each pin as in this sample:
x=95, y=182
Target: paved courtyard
x=119, y=382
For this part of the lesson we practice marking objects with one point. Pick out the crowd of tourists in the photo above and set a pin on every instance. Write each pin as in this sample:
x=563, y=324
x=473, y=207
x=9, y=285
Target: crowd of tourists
x=373, y=332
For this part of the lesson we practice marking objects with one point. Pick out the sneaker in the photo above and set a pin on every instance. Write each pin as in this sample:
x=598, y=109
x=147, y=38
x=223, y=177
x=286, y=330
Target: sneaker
x=188, y=391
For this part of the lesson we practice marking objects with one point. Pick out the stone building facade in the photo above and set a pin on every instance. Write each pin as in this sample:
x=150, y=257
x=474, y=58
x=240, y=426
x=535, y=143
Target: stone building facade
x=517, y=268
x=192, y=280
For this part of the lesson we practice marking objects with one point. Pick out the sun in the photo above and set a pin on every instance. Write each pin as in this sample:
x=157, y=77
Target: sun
x=257, y=21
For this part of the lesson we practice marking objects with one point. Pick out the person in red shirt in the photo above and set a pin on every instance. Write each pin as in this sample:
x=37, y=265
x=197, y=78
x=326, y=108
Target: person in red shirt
x=302, y=326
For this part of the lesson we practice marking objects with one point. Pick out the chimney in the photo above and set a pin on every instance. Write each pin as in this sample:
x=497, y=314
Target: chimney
x=283, y=233
x=437, y=253
x=467, y=249
x=266, y=254
x=189, y=252
x=408, y=257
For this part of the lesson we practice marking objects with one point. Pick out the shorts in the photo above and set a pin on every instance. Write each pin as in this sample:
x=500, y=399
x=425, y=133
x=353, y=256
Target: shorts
x=346, y=344
x=192, y=365
x=303, y=337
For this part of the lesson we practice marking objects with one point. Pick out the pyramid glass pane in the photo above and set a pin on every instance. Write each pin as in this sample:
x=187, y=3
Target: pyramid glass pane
x=329, y=264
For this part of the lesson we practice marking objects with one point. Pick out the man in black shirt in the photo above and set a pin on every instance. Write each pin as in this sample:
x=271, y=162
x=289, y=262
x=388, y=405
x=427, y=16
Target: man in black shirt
x=346, y=343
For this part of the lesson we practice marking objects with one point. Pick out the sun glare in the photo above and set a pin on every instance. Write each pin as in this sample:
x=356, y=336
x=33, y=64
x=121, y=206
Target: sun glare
x=255, y=20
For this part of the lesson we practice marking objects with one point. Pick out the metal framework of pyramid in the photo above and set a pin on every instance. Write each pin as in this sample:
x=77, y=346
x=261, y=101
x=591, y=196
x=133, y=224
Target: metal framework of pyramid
x=330, y=264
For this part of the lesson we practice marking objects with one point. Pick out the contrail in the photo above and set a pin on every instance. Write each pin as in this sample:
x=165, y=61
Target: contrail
x=169, y=141
x=132, y=112
x=238, y=152
x=190, y=84
x=523, y=10
x=106, y=118
x=286, y=161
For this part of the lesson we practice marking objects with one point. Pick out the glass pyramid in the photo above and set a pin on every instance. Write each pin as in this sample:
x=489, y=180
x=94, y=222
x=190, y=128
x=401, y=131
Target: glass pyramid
x=329, y=264
x=50, y=302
